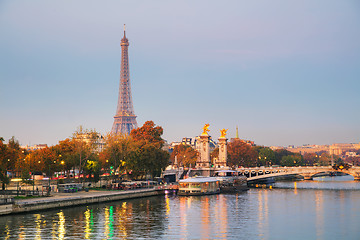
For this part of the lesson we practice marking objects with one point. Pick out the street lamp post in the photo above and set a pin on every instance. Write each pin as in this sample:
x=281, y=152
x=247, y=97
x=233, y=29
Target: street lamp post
x=32, y=176
x=63, y=172
x=49, y=188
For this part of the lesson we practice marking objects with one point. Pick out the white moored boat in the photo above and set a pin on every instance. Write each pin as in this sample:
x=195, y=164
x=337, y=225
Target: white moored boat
x=199, y=186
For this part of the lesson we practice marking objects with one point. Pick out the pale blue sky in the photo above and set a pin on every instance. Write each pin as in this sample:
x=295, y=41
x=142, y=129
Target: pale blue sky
x=284, y=72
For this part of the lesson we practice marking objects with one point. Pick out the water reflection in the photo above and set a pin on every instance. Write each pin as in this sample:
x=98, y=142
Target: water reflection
x=88, y=223
x=109, y=230
x=256, y=214
x=61, y=227
x=167, y=201
x=7, y=232
x=319, y=214
x=263, y=213
x=38, y=226
x=123, y=214
x=21, y=233
x=295, y=188
x=205, y=221
x=183, y=216
x=326, y=183
x=222, y=216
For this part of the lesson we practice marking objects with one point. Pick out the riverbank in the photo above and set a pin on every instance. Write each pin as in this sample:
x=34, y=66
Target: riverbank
x=59, y=200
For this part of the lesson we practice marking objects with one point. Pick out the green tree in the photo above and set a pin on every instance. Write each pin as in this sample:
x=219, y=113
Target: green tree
x=266, y=156
x=279, y=154
x=292, y=160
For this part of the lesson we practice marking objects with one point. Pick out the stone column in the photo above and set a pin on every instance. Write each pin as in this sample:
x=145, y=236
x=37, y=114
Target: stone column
x=204, y=152
x=222, y=159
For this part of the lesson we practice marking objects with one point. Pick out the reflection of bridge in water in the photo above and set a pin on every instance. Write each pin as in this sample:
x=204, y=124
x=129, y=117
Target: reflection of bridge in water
x=306, y=172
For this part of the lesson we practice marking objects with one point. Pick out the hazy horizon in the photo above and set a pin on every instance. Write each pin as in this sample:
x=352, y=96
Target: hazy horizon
x=284, y=72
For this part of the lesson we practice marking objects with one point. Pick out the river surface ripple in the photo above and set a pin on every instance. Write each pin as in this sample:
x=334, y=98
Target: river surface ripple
x=325, y=209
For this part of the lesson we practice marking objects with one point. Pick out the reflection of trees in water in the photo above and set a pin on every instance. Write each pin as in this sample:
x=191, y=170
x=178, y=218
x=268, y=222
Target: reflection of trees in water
x=137, y=218
x=148, y=217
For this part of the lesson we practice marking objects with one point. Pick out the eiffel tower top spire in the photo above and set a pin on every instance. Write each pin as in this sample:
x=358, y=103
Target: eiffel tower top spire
x=124, y=40
x=124, y=119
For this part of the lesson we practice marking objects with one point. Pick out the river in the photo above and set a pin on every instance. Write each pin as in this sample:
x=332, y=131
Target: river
x=323, y=209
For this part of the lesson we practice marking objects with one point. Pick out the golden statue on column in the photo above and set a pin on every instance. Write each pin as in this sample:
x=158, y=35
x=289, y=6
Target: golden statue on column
x=206, y=129
x=223, y=132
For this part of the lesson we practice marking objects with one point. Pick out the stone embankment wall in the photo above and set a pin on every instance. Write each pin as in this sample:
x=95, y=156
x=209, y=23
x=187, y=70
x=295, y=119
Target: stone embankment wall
x=74, y=200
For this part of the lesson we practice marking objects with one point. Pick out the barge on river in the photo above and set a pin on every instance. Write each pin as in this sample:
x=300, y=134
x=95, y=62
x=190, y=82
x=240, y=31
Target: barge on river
x=231, y=181
x=199, y=186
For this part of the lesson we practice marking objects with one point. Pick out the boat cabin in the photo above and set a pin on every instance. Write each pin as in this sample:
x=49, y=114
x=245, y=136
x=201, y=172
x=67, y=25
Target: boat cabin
x=198, y=186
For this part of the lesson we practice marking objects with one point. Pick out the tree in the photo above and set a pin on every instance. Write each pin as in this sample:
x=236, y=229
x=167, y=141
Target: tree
x=214, y=155
x=66, y=155
x=118, y=152
x=14, y=155
x=310, y=159
x=292, y=160
x=149, y=157
x=148, y=133
x=4, y=179
x=152, y=160
x=85, y=144
x=266, y=156
x=279, y=154
x=26, y=178
x=184, y=154
x=353, y=160
x=4, y=164
x=92, y=169
x=241, y=154
x=323, y=159
x=45, y=161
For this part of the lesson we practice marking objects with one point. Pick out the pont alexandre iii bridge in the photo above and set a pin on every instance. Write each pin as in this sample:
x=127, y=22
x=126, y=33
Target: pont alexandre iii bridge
x=307, y=172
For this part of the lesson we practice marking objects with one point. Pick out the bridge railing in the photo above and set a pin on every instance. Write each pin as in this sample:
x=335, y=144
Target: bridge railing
x=301, y=170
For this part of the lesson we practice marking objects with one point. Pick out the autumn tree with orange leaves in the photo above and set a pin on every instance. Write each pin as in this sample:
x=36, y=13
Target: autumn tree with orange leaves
x=241, y=154
x=185, y=155
x=140, y=154
x=150, y=157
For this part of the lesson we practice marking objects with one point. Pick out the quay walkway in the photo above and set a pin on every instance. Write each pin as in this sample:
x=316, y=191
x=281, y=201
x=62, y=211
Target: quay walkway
x=59, y=200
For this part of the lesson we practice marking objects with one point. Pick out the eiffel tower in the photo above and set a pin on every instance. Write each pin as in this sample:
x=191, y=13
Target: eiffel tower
x=125, y=119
